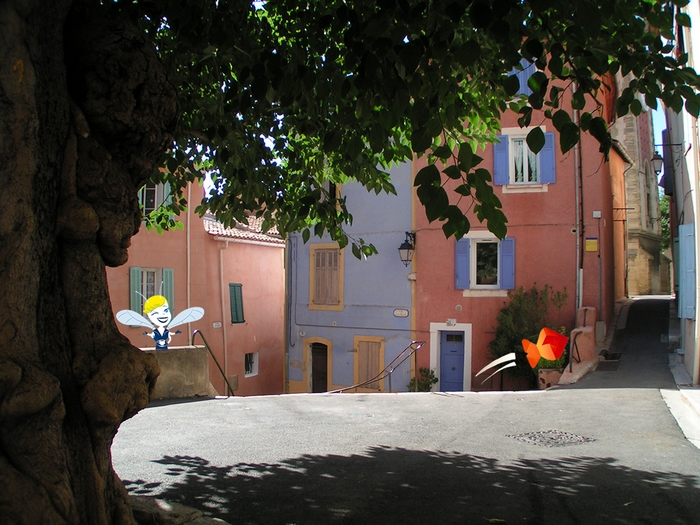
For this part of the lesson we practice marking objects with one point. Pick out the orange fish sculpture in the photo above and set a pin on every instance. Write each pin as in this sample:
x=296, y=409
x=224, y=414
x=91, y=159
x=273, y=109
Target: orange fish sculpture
x=550, y=345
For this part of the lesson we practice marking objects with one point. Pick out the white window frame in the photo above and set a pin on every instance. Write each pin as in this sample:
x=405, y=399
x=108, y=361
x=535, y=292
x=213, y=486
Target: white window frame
x=490, y=239
x=161, y=195
x=158, y=279
x=518, y=134
x=522, y=187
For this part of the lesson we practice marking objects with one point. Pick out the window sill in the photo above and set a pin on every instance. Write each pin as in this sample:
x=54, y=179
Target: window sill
x=484, y=293
x=337, y=308
x=525, y=188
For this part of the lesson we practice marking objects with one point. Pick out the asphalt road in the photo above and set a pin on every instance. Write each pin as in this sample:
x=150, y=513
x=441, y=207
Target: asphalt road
x=458, y=458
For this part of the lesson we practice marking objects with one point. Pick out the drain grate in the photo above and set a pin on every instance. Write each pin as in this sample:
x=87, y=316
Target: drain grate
x=610, y=356
x=608, y=366
x=551, y=438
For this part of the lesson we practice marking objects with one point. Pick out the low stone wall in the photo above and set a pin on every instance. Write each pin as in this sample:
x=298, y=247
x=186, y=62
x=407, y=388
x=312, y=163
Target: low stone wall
x=184, y=372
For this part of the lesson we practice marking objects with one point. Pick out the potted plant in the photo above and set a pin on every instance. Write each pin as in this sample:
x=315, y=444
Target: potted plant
x=424, y=382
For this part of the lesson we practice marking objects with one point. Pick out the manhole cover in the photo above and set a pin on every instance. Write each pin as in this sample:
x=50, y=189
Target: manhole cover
x=551, y=438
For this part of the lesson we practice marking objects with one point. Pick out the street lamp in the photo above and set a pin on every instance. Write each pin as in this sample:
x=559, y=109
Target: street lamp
x=407, y=248
x=657, y=162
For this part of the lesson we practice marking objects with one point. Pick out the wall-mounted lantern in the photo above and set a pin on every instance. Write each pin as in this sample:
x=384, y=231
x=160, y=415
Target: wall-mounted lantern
x=657, y=162
x=407, y=248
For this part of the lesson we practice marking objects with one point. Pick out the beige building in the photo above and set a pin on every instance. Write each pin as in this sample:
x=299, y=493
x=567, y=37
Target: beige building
x=647, y=267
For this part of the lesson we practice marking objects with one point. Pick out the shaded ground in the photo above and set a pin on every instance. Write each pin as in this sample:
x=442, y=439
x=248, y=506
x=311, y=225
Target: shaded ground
x=427, y=458
x=387, y=485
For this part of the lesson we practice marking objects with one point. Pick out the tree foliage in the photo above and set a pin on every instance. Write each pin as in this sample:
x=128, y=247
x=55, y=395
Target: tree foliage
x=279, y=97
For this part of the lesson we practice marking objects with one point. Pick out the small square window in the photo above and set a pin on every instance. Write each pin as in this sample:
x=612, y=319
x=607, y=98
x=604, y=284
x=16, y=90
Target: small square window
x=251, y=364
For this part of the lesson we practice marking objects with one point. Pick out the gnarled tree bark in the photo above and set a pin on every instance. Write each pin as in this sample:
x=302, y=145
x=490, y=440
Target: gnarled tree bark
x=85, y=113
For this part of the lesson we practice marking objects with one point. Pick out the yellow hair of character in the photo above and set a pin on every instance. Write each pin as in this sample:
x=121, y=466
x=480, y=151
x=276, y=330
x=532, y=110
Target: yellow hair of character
x=153, y=302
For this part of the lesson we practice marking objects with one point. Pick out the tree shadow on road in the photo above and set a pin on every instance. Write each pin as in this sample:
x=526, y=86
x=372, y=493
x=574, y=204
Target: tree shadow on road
x=398, y=486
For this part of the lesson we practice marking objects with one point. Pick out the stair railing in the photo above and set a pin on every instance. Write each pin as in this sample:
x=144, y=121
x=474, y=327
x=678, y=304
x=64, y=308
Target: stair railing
x=228, y=385
x=405, y=354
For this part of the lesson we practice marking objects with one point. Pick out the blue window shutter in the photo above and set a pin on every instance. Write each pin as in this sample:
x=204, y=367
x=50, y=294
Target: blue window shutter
x=135, y=289
x=507, y=264
x=500, y=161
x=462, y=264
x=686, y=235
x=236, y=297
x=547, y=154
x=169, y=287
x=524, y=75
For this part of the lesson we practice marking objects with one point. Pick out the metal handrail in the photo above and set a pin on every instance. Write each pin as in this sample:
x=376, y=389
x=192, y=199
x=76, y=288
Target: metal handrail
x=388, y=369
x=574, y=346
x=228, y=385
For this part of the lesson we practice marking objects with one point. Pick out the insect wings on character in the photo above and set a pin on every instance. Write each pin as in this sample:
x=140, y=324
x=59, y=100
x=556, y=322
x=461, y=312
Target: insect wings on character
x=160, y=319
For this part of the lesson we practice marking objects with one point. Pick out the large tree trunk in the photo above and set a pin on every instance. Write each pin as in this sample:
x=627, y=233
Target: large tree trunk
x=85, y=112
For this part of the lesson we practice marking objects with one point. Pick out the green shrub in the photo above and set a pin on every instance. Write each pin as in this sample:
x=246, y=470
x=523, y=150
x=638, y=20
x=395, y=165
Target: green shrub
x=426, y=379
x=523, y=317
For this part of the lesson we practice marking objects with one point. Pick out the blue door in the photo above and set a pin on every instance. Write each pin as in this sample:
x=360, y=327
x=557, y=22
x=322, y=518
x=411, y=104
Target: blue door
x=451, y=361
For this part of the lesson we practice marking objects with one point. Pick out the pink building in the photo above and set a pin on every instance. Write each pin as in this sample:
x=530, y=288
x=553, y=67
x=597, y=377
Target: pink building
x=235, y=274
x=566, y=229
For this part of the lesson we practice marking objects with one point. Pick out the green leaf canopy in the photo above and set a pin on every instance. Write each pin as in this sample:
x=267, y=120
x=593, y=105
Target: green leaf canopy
x=279, y=98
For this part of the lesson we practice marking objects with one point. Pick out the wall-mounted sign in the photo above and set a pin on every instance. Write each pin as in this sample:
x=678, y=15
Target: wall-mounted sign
x=160, y=319
x=591, y=244
x=400, y=312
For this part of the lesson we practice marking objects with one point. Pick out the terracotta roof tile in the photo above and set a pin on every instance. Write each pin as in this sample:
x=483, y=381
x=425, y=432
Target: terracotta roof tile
x=245, y=232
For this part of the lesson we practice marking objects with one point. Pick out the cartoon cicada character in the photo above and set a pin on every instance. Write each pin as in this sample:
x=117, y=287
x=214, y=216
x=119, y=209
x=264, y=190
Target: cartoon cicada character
x=160, y=319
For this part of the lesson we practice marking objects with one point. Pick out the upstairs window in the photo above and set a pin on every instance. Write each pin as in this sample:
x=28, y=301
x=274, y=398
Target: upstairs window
x=524, y=75
x=515, y=164
x=326, y=279
x=152, y=195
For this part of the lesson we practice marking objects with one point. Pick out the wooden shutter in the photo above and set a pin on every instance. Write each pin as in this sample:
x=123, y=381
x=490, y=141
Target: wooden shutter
x=368, y=355
x=236, y=297
x=169, y=287
x=547, y=156
x=500, y=161
x=135, y=301
x=326, y=277
x=507, y=264
x=686, y=236
x=462, y=264
x=524, y=75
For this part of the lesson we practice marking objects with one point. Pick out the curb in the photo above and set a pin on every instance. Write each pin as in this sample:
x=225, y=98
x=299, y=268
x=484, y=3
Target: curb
x=150, y=510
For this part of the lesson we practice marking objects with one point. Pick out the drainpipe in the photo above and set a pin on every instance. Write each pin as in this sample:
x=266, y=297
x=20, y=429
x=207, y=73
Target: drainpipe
x=189, y=261
x=223, y=307
x=578, y=195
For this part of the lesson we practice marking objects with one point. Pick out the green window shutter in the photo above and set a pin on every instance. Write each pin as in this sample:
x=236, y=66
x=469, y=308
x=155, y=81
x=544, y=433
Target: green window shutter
x=236, y=295
x=169, y=287
x=135, y=289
